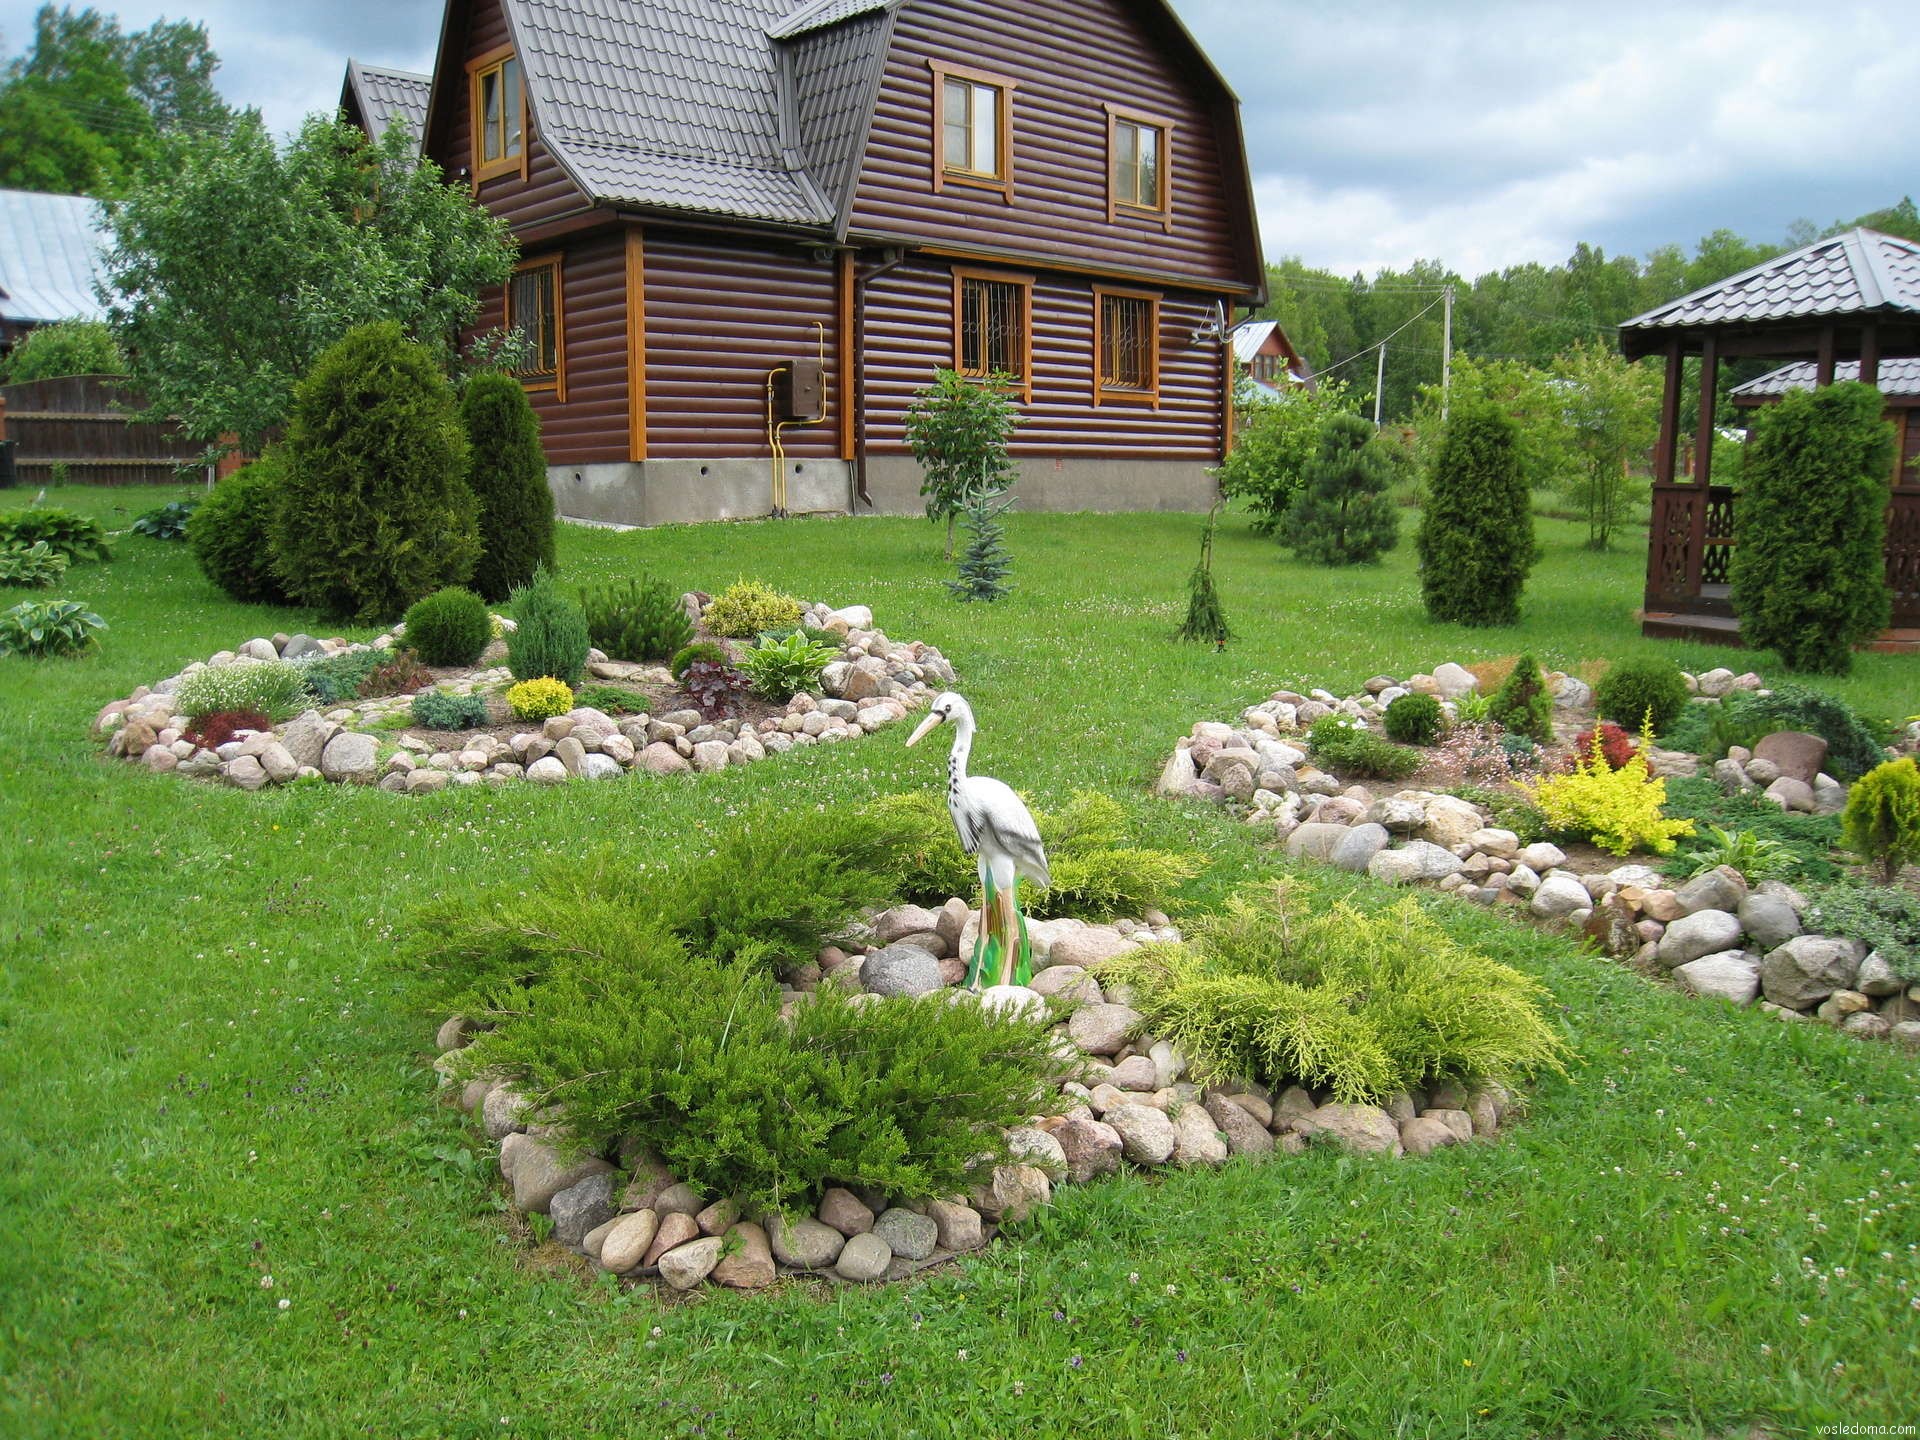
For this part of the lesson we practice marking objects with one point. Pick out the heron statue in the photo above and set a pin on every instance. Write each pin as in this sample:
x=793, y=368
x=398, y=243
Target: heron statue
x=997, y=828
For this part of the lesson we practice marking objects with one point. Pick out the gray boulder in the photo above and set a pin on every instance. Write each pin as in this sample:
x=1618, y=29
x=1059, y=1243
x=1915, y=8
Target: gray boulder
x=306, y=738
x=1558, y=896
x=1358, y=845
x=805, y=1244
x=1102, y=1029
x=348, y=758
x=1704, y=932
x=1732, y=975
x=1769, y=921
x=908, y=1235
x=1363, y=1129
x=901, y=970
x=1876, y=978
x=1807, y=969
x=1146, y=1134
x=1722, y=888
x=582, y=1207
x=1315, y=840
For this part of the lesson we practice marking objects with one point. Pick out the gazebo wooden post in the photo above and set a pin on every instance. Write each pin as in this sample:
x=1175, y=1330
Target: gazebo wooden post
x=1823, y=365
x=1703, y=461
x=1870, y=355
x=1664, y=447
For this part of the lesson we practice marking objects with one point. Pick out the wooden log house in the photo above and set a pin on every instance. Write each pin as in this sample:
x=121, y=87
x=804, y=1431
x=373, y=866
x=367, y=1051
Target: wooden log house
x=751, y=229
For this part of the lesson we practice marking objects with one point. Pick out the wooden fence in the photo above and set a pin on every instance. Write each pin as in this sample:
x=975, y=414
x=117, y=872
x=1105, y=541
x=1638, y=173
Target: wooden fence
x=85, y=424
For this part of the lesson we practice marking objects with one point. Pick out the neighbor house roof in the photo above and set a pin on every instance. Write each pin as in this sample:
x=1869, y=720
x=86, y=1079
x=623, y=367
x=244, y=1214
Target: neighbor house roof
x=388, y=97
x=1853, y=273
x=1250, y=335
x=50, y=252
x=1897, y=377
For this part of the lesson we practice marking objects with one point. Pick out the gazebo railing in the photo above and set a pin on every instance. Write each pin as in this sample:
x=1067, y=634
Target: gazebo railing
x=1690, y=551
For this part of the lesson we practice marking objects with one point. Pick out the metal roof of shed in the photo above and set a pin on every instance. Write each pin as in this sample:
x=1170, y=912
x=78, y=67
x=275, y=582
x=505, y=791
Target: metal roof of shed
x=1897, y=377
x=50, y=252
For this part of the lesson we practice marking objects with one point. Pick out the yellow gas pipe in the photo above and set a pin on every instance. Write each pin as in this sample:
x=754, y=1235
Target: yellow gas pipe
x=774, y=428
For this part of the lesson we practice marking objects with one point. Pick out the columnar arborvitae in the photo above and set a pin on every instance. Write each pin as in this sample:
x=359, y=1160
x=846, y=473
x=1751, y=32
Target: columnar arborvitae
x=1342, y=514
x=508, y=473
x=374, y=508
x=1809, y=563
x=1476, y=540
x=985, y=561
x=1205, y=621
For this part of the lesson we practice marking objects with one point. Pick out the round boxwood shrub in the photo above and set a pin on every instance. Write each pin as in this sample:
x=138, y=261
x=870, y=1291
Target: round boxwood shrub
x=449, y=627
x=375, y=510
x=1634, y=689
x=508, y=473
x=1413, y=719
x=231, y=529
x=700, y=650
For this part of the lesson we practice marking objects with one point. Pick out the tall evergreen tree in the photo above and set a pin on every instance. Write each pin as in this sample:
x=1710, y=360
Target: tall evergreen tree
x=1343, y=514
x=1476, y=539
x=508, y=474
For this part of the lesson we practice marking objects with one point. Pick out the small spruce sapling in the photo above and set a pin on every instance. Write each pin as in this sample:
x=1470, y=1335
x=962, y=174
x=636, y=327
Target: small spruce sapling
x=984, y=565
x=1205, y=621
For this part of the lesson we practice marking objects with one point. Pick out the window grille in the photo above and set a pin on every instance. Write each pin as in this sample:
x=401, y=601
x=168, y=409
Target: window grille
x=993, y=328
x=533, y=315
x=1126, y=343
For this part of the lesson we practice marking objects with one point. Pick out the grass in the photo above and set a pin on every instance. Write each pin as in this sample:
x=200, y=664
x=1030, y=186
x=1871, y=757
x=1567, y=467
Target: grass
x=209, y=1079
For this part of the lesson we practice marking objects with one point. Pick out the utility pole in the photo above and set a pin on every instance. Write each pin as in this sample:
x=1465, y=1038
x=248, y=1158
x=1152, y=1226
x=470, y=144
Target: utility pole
x=1379, y=383
x=1446, y=352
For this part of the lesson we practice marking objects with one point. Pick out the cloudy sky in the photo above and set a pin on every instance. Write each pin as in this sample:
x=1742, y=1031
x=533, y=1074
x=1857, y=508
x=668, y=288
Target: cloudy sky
x=1483, y=133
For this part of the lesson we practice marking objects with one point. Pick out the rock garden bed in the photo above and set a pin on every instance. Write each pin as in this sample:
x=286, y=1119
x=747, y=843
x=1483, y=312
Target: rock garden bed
x=1130, y=1105
x=1715, y=934
x=650, y=725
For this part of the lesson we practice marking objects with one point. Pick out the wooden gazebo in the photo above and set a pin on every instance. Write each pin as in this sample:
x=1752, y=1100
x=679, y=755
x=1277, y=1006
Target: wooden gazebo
x=1853, y=297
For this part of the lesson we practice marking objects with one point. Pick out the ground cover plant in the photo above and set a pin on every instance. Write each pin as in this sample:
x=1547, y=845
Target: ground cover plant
x=1582, y=1264
x=1347, y=747
x=442, y=710
x=274, y=688
x=1806, y=841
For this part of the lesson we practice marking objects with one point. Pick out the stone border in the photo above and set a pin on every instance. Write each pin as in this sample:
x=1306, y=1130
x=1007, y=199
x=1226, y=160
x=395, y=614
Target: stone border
x=1712, y=934
x=630, y=1216
x=873, y=683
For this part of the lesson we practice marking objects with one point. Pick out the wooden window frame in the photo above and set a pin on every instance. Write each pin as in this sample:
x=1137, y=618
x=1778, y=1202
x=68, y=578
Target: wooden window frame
x=1162, y=213
x=557, y=383
x=1002, y=183
x=1108, y=394
x=477, y=69
x=962, y=274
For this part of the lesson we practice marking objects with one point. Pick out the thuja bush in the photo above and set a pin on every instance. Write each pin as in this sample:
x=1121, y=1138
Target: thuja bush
x=78, y=537
x=1809, y=568
x=1522, y=705
x=748, y=607
x=1640, y=692
x=1346, y=747
x=1098, y=869
x=274, y=688
x=1363, y=1004
x=1342, y=514
x=1476, y=535
x=1881, y=823
x=231, y=534
x=449, y=627
x=1413, y=719
x=374, y=510
x=550, y=636
x=638, y=619
x=508, y=474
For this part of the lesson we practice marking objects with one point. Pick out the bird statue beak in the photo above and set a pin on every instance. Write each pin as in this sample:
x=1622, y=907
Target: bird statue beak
x=921, y=733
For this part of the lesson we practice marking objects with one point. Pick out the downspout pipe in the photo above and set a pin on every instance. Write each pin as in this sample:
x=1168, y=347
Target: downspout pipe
x=888, y=259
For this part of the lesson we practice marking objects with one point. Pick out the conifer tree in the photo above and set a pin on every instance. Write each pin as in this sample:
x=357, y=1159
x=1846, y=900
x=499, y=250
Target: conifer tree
x=1476, y=539
x=1205, y=621
x=985, y=561
x=508, y=473
x=1342, y=514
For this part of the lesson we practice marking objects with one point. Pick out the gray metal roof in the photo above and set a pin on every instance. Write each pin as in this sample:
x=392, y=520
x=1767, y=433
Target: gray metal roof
x=390, y=97
x=1850, y=273
x=51, y=247
x=688, y=104
x=1249, y=336
x=1897, y=377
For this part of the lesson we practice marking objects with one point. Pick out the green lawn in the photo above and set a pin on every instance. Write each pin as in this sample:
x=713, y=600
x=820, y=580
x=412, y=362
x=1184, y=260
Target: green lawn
x=208, y=1078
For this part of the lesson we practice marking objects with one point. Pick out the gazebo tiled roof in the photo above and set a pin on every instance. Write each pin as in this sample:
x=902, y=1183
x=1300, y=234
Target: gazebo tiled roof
x=1854, y=275
x=1897, y=377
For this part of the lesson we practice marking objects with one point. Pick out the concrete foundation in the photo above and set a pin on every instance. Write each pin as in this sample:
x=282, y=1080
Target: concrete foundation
x=670, y=492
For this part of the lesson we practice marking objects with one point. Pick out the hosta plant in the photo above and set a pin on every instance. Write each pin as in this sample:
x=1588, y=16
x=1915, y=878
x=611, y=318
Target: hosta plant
x=781, y=669
x=74, y=536
x=32, y=567
x=166, y=522
x=40, y=628
x=1755, y=856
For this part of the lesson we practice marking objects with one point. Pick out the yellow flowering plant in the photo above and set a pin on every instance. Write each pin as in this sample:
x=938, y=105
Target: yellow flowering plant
x=539, y=698
x=1621, y=809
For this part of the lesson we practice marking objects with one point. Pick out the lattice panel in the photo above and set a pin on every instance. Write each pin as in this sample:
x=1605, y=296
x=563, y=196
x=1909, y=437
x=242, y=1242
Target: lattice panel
x=1672, y=535
x=1717, y=563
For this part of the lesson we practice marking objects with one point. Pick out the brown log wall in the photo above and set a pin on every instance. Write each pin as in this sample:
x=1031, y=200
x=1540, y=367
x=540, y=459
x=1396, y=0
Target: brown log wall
x=720, y=314
x=910, y=328
x=1070, y=57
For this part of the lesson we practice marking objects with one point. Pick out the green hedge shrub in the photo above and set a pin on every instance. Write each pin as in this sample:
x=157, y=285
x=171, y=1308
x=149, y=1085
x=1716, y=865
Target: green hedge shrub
x=39, y=629
x=443, y=710
x=375, y=510
x=1523, y=705
x=32, y=567
x=1476, y=535
x=637, y=620
x=747, y=607
x=551, y=636
x=1348, y=748
x=77, y=537
x=1413, y=719
x=1881, y=823
x=449, y=627
x=1809, y=567
x=274, y=688
x=704, y=650
x=1634, y=689
x=231, y=534
x=71, y=347
x=1342, y=514
x=1361, y=1004
x=508, y=473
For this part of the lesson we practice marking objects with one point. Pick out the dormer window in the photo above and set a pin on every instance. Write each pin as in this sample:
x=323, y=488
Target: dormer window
x=972, y=128
x=499, y=116
x=1139, y=148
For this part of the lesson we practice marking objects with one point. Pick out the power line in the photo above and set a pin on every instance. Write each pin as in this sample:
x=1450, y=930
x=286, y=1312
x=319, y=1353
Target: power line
x=1378, y=344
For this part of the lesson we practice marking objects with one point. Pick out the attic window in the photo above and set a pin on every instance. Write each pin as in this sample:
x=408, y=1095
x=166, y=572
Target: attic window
x=499, y=115
x=972, y=128
x=1139, y=150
